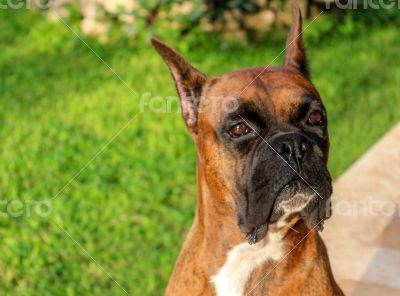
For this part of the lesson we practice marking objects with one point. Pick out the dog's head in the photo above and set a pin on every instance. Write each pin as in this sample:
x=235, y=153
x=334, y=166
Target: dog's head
x=261, y=135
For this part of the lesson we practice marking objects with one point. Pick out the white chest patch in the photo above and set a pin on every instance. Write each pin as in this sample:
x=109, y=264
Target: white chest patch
x=242, y=260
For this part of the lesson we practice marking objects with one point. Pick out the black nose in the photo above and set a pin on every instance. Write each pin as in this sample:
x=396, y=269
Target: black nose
x=292, y=147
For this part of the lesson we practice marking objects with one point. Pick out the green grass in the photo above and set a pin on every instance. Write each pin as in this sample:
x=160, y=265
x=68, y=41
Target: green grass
x=132, y=205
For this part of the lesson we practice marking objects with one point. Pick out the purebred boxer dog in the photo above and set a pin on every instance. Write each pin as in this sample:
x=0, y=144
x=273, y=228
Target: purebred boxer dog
x=264, y=188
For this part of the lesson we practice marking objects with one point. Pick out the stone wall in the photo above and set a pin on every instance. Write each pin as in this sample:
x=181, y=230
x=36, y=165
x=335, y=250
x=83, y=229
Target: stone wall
x=96, y=16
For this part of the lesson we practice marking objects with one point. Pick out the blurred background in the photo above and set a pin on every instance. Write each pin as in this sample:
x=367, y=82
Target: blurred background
x=97, y=188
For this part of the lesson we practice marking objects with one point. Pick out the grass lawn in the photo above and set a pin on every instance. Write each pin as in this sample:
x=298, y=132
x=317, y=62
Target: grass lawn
x=131, y=206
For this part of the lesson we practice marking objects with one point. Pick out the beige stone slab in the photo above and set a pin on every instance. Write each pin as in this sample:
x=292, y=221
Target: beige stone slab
x=367, y=289
x=363, y=236
x=391, y=236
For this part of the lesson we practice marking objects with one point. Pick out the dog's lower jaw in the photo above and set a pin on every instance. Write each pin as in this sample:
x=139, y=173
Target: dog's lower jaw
x=290, y=210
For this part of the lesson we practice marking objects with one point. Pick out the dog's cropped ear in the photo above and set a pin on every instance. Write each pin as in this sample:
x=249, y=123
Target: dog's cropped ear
x=188, y=80
x=295, y=52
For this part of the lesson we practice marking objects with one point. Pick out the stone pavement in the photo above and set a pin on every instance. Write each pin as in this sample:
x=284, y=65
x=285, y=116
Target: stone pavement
x=363, y=235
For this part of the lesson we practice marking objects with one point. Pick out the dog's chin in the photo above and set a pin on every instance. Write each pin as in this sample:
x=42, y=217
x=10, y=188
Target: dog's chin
x=293, y=201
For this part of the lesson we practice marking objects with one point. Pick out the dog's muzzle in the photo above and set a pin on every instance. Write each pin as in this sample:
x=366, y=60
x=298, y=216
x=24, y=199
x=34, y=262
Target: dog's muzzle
x=286, y=174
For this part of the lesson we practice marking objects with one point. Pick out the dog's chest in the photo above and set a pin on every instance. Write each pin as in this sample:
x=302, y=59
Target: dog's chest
x=242, y=260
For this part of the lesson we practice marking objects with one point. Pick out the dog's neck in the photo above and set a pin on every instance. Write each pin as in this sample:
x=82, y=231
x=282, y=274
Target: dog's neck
x=216, y=226
x=215, y=223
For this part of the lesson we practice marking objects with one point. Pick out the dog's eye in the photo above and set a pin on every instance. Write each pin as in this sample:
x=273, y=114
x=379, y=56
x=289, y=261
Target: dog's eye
x=239, y=130
x=315, y=119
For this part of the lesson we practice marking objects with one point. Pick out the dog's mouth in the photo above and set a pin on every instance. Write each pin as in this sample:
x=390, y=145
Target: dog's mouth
x=292, y=200
x=259, y=233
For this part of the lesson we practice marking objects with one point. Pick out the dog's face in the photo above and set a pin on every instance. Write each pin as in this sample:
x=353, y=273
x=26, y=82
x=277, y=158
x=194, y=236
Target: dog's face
x=268, y=147
x=261, y=136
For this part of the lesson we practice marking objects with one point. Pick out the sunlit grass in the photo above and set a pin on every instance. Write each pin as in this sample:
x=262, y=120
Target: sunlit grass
x=132, y=205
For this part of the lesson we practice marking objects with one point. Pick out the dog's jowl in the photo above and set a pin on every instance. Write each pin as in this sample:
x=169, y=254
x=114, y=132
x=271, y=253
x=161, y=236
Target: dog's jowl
x=264, y=189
